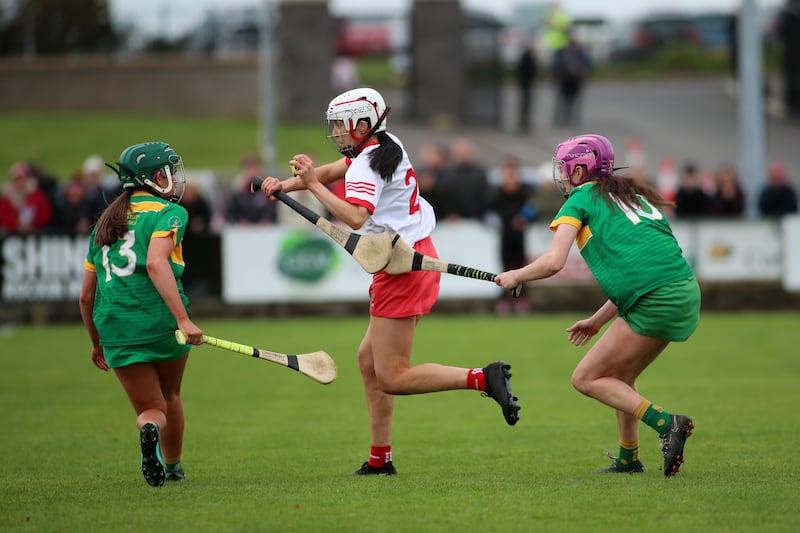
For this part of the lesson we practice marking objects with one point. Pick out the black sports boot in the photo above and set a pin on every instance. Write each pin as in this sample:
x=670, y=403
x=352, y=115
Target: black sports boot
x=387, y=469
x=673, y=441
x=498, y=387
x=152, y=464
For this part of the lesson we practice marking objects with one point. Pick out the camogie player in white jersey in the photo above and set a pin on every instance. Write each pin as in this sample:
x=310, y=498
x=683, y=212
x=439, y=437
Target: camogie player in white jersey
x=381, y=195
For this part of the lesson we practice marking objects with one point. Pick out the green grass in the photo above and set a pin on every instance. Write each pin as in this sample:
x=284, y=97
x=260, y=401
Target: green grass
x=269, y=450
x=61, y=141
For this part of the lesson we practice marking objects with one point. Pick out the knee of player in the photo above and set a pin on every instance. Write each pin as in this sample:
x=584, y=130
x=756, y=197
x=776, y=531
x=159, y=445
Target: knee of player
x=581, y=382
x=390, y=383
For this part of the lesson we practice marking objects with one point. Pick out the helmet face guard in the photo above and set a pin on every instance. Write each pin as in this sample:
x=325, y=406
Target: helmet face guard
x=344, y=114
x=594, y=152
x=138, y=165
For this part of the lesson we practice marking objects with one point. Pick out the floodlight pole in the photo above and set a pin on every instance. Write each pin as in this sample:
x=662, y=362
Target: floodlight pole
x=751, y=105
x=266, y=59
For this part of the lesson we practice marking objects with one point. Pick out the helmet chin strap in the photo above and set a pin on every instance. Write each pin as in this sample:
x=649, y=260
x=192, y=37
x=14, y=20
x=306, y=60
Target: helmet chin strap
x=357, y=149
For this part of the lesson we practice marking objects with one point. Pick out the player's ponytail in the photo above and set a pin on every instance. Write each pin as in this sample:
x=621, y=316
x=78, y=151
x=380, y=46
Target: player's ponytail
x=386, y=157
x=113, y=223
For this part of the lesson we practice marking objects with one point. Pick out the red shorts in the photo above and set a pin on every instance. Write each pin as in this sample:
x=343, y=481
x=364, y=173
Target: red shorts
x=404, y=295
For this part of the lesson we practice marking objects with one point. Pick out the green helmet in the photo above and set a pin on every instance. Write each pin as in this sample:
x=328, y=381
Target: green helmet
x=137, y=164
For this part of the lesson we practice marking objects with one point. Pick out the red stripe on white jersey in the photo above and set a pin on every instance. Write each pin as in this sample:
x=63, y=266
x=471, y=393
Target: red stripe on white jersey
x=360, y=186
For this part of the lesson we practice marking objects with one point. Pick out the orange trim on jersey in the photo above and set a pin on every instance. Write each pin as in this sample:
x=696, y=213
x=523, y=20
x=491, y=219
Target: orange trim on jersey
x=177, y=255
x=140, y=207
x=177, y=252
x=89, y=266
x=584, y=232
x=565, y=220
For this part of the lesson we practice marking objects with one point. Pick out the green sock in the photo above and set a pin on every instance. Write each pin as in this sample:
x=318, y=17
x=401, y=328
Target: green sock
x=657, y=418
x=175, y=467
x=628, y=455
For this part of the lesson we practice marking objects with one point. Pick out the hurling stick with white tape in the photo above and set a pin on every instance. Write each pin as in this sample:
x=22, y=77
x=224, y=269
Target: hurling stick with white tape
x=319, y=366
x=372, y=252
x=406, y=259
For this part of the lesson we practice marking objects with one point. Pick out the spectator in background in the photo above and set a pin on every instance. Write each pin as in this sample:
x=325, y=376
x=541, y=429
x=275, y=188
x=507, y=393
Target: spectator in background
x=198, y=208
x=728, y=200
x=245, y=207
x=97, y=195
x=73, y=213
x=557, y=27
x=571, y=67
x=527, y=68
x=431, y=175
x=24, y=206
x=789, y=31
x=465, y=185
x=690, y=200
x=47, y=182
x=778, y=197
x=546, y=200
x=641, y=175
x=511, y=204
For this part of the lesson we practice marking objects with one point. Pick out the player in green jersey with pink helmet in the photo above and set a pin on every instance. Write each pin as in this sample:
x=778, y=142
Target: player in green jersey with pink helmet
x=629, y=246
x=132, y=300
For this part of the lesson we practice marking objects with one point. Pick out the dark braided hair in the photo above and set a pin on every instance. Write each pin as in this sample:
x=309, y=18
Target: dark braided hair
x=386, y=157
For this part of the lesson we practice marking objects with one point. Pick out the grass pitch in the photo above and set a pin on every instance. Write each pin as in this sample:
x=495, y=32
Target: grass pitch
x=270, y=450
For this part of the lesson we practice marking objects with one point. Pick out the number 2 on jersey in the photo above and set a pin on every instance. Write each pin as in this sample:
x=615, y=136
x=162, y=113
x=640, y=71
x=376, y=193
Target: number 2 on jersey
x=413, y=204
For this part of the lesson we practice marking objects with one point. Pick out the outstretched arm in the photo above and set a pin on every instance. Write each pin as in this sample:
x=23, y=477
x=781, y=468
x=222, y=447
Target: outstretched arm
x=546, y=265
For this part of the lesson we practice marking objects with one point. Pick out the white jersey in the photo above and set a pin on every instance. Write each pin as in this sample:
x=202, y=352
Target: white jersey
x=395, y=205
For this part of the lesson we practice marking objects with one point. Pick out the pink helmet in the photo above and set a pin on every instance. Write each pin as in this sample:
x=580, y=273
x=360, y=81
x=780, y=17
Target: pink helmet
x=593, y=151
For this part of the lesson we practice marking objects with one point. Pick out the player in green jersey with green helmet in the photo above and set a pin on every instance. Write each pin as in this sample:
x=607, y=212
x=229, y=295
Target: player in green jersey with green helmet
x=627, y=243
x=132, y=300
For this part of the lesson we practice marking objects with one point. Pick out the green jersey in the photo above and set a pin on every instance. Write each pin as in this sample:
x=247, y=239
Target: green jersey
x=629, y=251
x=128, y=310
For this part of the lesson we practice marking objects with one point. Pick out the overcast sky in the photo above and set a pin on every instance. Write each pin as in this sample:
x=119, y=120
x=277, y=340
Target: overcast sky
x=152, y=16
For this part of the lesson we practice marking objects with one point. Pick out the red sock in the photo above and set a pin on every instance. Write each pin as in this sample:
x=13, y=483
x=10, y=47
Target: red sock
x=380, y=455
x=476, y=379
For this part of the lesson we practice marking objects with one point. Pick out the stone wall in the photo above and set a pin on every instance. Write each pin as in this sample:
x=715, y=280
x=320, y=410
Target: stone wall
x=176, y=85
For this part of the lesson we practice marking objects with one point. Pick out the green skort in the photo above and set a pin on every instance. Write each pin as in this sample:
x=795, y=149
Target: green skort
x=671, y=312
x=159, y=351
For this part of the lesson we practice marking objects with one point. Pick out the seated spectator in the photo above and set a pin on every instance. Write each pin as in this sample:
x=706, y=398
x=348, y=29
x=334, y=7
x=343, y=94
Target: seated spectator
x=690, y=200
x=728, y=200
x=73, y=214
x=24, y=206
x=197, y=207
x=245, y=207
x=778, y=197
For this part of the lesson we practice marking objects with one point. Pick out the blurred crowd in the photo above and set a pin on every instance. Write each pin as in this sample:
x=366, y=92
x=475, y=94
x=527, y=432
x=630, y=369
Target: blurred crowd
x=457, y=185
